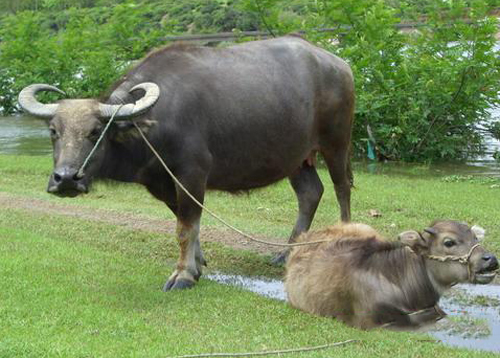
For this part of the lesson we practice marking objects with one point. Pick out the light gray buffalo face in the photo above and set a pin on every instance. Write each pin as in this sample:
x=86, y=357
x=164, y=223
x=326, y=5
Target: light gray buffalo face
x=74, y=130
x=453, y=239
x=75, y=126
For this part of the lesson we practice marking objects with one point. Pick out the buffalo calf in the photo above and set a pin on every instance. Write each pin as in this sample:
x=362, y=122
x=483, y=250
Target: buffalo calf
x=362, y=279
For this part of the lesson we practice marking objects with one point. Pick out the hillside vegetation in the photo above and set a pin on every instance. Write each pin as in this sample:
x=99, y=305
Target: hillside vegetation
x=422, y=93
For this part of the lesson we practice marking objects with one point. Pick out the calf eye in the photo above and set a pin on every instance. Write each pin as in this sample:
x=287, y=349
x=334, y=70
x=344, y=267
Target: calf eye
x=53, y=132
x=449, y=242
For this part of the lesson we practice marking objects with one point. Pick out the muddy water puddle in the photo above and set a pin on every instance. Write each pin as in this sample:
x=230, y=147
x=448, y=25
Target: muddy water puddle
x=473, y=310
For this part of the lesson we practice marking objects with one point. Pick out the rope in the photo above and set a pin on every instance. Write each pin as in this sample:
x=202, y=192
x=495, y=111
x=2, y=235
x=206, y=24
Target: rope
x=214, y=215
x=80, y=171
x=264, y=353
x=464, y=259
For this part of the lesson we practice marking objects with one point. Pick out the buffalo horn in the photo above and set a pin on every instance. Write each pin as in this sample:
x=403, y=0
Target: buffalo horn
x=30, y=104
x=133, y=109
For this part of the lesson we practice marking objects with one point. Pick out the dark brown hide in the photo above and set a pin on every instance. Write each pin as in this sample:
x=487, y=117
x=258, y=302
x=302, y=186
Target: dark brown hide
x=229, y=119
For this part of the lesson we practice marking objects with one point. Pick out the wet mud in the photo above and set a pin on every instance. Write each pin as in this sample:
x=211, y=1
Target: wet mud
x=473, y=310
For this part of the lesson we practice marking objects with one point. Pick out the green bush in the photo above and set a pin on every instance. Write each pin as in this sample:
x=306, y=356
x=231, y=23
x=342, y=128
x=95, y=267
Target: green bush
x=423, y=94
x=83, y=59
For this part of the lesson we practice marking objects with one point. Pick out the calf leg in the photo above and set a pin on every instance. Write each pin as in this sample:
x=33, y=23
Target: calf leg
x=189, y=265
x=309, y=189
x=390, y=316
x=394, y=317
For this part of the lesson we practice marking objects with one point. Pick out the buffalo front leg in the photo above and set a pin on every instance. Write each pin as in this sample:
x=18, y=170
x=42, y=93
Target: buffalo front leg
x=188, y=269
x=309, y=189
x=191, y=260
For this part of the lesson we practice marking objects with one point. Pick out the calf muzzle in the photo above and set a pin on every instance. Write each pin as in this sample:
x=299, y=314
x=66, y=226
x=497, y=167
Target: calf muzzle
x=486, y=271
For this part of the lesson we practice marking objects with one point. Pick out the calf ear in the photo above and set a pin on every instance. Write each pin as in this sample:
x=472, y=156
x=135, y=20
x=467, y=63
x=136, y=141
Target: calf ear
x=413, y=239
x=478, y=231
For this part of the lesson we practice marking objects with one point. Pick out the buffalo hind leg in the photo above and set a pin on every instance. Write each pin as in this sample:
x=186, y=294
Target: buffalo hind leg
x=309, y=189
x=338, y=163
x=191, y=260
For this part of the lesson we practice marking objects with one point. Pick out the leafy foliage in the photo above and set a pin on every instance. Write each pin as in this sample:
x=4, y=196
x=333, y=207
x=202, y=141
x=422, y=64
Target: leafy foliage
x=423, y=93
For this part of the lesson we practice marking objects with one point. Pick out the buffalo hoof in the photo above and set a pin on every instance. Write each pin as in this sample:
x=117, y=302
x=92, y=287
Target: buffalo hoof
x=180, y=284
x=280, y=258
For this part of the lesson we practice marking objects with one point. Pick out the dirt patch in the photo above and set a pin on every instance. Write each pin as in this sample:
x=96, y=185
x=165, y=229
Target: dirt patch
x=135, y=222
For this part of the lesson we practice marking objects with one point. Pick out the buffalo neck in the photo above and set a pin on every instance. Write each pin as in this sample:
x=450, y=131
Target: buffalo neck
x=408, y=271
x=123, y=161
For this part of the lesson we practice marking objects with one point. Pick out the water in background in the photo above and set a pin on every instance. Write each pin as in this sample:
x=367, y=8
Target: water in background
x=23, y=135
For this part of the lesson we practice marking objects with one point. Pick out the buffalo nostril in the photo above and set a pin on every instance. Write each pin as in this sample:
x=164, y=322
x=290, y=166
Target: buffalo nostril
x=488, y=257
x=64, y=176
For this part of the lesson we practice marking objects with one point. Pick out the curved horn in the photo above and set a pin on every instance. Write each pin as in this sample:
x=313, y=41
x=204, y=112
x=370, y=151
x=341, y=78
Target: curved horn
x=133, y=109
x=30, y=104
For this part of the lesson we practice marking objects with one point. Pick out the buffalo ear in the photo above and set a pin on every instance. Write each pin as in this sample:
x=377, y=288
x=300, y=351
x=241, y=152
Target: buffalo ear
x=478, y=231
x=413, y=239
x=124, y=131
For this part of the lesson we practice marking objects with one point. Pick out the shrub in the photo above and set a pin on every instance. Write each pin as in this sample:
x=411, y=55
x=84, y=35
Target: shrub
x=423, y=93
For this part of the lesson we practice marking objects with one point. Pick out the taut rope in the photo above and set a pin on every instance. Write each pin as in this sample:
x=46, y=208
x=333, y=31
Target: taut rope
x=214, y=215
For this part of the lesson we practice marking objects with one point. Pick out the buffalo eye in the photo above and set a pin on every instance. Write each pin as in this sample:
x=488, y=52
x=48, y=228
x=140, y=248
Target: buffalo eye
x=95, y=133
x=449, y=242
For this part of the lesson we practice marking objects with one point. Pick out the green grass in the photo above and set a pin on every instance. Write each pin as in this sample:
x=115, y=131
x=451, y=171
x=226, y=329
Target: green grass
x=75, y=288
x=405, y=201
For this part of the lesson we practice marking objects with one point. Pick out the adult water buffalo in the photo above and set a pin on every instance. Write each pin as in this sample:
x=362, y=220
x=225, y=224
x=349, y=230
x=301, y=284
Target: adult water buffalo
x=230, y=119
x=366, y=281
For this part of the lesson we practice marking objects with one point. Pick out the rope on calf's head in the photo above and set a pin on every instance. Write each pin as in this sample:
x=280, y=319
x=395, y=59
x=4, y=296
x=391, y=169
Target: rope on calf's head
x=174, y=178
x=464, y=259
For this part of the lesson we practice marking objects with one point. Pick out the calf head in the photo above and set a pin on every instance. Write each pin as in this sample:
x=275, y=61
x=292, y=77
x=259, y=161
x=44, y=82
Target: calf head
x=453, y=253
x=75, y=126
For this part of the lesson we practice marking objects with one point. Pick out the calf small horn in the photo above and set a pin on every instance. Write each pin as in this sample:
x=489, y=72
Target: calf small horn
x=30, y=104
x=133, y=109
x=430, y=231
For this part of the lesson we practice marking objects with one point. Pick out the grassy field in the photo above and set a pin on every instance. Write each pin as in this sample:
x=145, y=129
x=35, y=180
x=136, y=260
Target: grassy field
x=73, y=287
